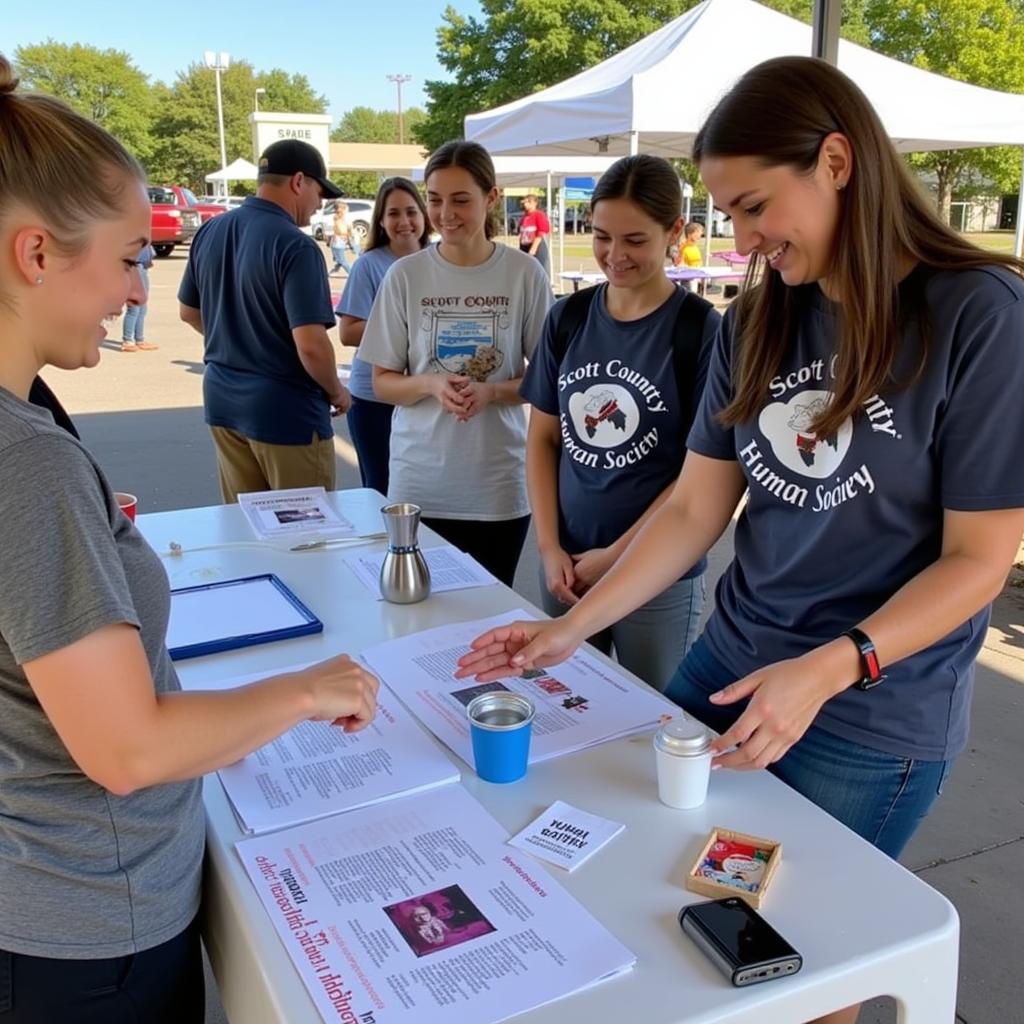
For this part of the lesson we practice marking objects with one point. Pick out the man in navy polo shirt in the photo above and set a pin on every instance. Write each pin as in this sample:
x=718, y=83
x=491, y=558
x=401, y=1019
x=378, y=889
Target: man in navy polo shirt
x=256, y=288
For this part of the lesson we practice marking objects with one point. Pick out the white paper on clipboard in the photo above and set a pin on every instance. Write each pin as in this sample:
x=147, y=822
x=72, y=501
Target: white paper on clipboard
x=234, y=613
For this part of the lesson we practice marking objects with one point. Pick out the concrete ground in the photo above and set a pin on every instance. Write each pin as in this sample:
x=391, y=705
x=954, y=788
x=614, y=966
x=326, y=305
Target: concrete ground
x=141, y=414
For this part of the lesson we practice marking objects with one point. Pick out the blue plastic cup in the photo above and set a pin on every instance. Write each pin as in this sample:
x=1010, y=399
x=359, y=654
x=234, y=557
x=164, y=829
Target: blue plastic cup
x=500, y=723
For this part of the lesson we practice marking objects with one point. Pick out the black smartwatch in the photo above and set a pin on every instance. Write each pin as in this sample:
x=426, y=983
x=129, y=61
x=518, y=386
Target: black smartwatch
x=873, y=674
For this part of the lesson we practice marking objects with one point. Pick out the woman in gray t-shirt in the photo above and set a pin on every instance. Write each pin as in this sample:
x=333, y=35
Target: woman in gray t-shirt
x=101, y=822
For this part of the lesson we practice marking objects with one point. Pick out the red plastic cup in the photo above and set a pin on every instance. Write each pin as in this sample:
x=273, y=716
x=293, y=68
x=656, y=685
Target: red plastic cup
x=127, y=503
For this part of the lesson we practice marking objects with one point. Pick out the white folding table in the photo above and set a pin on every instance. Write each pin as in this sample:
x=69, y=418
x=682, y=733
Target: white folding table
x=865, y=925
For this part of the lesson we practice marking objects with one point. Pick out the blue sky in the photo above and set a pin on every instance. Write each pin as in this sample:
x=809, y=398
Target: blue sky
x=345, y=49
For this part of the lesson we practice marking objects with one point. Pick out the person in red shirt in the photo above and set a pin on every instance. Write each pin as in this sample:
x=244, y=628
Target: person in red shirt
x=534, y=229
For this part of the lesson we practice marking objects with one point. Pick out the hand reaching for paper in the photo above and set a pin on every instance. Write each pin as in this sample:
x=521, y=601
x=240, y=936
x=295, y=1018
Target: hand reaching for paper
x=343, y=693
x=510, y=650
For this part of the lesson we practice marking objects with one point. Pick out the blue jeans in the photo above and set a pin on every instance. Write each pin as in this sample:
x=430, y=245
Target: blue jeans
x=652, y=640
x=880, y=796
x=135, y=316
x=369, y=426
x=340, y=254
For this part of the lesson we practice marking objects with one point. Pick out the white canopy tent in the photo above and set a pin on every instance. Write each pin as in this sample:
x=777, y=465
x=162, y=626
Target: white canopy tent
x=547, y=171
x=238, y=170
x=653, y=96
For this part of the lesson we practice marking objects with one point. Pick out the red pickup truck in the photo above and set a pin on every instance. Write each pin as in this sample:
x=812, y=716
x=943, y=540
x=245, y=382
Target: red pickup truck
x=177, y=216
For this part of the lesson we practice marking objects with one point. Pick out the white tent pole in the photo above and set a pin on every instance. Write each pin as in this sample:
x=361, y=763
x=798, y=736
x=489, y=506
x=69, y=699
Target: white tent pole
x=634, y=143
x=551, y=262
x=561, y=227
x=1018, y=240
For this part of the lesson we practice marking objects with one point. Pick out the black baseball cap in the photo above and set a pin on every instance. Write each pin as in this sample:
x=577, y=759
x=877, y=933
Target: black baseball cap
x=290, y=156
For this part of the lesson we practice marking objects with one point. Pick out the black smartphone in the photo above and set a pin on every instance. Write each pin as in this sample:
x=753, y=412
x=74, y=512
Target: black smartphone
x=741, y=943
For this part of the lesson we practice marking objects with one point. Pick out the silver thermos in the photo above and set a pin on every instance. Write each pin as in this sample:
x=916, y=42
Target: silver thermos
x=404, y=576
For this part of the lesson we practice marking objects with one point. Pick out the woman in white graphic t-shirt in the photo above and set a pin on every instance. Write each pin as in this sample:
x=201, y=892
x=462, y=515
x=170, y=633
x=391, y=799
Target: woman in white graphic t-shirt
x=448, y=336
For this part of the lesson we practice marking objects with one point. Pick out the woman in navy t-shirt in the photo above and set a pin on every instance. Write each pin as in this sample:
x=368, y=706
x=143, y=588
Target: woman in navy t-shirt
x=865, y=393
x=611, y=413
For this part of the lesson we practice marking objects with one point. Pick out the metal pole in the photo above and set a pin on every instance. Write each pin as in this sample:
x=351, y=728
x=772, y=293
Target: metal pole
x=220, y=120
x=219, y=62
x=825, y=37
x=398, y=80
x=1018, y=238
x=551, y=262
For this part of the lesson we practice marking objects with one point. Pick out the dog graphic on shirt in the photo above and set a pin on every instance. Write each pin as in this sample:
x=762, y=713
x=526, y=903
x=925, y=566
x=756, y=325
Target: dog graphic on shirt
x=806, y=442
x=600, y=408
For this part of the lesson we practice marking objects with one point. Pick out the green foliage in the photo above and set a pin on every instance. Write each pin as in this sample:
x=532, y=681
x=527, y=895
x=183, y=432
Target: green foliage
x=104, y=85
x=358, y=184
x=521, y=46
x=362, y=124
x=976, y=41
x=188, y=146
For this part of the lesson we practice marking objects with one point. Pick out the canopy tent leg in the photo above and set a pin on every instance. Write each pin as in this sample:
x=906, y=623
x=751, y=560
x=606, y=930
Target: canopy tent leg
x=561, y=228
x=634, y=143
x=1018, y=240
x=825, y=33
x=551, y=262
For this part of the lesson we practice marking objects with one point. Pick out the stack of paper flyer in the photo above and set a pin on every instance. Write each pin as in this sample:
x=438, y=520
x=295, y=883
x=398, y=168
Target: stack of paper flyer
x=580, y=703
x=416, y=911
x=450, y=569
x=317, y=769
x=299, y=512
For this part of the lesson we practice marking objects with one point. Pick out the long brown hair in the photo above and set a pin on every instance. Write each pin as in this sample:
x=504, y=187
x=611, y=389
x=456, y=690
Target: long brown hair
x=473, y=158
x=377, y=238
x=780, y=113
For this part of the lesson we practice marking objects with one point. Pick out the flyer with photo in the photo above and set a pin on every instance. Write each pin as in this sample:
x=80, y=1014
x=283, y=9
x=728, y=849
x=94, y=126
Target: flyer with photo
x=300, y=511
x=417, y=911
x=580, y=703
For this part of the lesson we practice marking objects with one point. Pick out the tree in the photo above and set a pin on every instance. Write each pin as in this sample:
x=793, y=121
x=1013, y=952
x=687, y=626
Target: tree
x=187, y=145
x=362, y=124
x=521, y=46
x=976, y=41
x=103, y=85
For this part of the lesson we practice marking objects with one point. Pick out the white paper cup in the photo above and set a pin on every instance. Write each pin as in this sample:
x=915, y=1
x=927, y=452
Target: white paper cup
x=683, y=758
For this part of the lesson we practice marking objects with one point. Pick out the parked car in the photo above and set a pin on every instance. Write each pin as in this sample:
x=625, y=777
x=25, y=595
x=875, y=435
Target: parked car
x=228, y=202
x=173, y=221
x=359, y=213
x=178, y=195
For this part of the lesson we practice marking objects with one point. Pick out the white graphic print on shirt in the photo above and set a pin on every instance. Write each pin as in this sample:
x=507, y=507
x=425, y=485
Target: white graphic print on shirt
x=466, y=343
x=606, y=415
x=786, y=426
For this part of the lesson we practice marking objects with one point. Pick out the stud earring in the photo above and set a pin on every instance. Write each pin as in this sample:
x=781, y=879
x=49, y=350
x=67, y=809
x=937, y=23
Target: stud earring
x=39, y=280
x=839, y=186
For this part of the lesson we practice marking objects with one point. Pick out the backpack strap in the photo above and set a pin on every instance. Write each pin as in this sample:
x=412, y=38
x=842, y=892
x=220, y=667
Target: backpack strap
x=571, y=318
x=687, y=337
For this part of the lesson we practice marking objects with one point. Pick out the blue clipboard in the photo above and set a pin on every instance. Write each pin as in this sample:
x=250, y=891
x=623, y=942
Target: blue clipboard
x=229, y=614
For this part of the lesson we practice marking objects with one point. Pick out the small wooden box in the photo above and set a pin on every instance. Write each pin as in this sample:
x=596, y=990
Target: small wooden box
x=716, y=889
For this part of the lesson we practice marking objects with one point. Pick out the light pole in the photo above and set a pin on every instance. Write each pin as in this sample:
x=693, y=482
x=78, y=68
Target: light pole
x=259, y=92
x=398, y=80
x=218, y=62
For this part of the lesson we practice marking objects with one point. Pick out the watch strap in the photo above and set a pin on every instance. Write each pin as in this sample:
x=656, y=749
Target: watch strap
x=873, y=674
